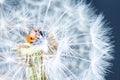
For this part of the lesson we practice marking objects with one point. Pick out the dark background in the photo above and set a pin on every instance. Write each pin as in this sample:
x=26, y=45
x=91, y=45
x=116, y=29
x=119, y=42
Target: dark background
x=111, y=11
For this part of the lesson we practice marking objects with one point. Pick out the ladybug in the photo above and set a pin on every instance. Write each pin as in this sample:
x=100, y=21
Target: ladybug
x=32, y=36
x=35, y=35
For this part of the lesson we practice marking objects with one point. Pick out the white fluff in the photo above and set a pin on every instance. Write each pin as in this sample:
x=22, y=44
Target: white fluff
x=84, y=46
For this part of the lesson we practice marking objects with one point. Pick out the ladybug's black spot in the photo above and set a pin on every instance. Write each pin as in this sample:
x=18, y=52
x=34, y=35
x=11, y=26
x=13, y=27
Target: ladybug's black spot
x=35, y=30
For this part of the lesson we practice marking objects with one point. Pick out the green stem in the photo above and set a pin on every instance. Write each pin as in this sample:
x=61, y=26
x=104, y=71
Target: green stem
x=31, y=71
x=43, y=73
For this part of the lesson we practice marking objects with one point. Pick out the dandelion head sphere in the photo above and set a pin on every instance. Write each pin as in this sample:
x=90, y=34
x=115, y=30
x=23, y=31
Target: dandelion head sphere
x=52, y=40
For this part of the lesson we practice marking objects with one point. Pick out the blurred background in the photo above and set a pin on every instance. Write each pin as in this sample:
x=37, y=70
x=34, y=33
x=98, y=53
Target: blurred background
x=111, y=11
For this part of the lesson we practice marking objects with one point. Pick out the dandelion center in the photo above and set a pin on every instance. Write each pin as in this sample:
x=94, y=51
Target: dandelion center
x=40, y=47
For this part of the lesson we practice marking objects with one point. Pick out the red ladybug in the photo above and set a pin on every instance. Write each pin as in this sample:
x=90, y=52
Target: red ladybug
x=35, y=36
x=32, y=36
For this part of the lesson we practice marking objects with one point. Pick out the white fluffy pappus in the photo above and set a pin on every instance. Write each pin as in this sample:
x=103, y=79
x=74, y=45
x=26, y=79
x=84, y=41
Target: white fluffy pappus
x=76, y=46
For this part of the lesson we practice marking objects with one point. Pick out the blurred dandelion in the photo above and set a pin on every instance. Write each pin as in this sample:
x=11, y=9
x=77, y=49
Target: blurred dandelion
x=52, y=40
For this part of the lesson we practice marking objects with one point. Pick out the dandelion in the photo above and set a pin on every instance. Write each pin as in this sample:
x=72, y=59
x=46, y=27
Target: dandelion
x=53, y=40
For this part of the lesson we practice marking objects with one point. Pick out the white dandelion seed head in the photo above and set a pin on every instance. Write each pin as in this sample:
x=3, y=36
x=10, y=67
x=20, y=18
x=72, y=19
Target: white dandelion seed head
x=72, y=42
